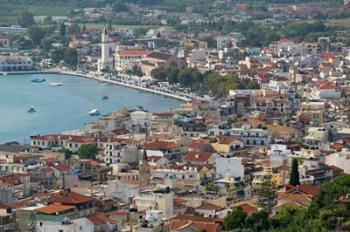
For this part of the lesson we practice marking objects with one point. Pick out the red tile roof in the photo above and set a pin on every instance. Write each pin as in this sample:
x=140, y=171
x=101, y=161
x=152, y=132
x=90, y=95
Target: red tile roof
x=248, y=208
x=309, y=189
x=326, y=85
x=198, y=156
x=50, y=161
x=47, y=170
x=157, y=145
x=69, y=197
x=55, y=209
x=208, y=206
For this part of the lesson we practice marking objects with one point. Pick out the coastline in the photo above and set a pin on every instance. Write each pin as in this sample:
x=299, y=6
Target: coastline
x=101, y=79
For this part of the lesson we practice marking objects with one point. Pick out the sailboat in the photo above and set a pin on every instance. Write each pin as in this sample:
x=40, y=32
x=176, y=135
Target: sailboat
x=104, y=95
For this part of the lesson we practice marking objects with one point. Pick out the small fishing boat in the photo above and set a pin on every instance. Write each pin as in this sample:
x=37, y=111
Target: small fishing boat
x=55, y=83
x=31, y=109
x=37, y=80
x=104, y=97
x=94, y=112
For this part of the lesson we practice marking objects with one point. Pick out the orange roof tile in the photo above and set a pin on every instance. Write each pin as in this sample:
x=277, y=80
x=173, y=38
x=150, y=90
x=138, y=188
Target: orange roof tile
x=55, y=209
x=69, y=197
x=198, y=156
x=208, y=206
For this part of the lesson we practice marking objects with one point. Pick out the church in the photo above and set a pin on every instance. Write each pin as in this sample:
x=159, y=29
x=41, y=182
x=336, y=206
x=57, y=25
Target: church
x=106, y=62
x=127, y=58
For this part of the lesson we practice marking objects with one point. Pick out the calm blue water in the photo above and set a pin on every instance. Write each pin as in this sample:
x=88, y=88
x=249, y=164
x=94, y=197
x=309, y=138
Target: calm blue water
x=62, y=108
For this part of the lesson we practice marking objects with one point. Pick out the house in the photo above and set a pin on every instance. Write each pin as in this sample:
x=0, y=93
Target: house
x=312, y=112
x=340, y=160
x=84, y=204
x=102, y=222
x=199, y=158
x=9, y=151
x=246, y=206
x=159, y=60
x=18, y=183
x=93, y=170
x=7, y=219
x=57, y=141
x=170, y=150
x=16, y=63
x=229, y=165
x=251, y=136
x=159, y=199
x=296, y=196
x=207, y=209
x=226, y=144
x=189, y=222
x=283, y=132
x=326, y=90
x=127, y=59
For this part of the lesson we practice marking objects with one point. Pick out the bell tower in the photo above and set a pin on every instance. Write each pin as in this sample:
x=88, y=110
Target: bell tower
x=144, y=171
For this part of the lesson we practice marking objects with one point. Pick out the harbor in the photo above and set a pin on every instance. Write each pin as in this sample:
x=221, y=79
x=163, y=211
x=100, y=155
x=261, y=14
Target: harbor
x=63, y=108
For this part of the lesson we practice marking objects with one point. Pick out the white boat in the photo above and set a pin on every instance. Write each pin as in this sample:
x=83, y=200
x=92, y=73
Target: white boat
x=55, y=83
x=94, y=112
x=31, y=109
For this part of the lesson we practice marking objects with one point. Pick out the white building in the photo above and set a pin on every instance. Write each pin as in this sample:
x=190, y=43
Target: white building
x=117, y=152
x=140, y=117
x=15, y=63
x=13, y=30
x=162, y=200
x=339, y=159
x=188, y=174
x=6, y=195
x=279, y=154
x=251, y=136
x=106, y=62
x=228, y=165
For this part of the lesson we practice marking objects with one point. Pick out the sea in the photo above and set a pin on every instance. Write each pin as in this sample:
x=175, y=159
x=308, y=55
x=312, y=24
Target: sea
x=64, y=108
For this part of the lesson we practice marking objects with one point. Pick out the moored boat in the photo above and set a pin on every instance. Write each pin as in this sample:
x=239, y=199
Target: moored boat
x=31, y=109
x=55, y=83
x=94, y=112
x=37, y=80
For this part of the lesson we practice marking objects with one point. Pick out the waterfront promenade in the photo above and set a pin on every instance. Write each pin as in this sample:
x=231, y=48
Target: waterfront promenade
x=122, y=80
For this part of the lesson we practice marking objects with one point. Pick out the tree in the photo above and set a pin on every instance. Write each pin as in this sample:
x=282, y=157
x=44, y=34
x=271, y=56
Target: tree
x=25, y=19
x=258, y=221
x=235, y=219
x=88, y=151
x=294, y=173
x=268, y=194
x=67, y=153
x=136, y=70
x=70, y=57
x=46, y=44
x=57, y=54
x=36, y=34
x=74, y=28
x=63, y=30
x=31, y=223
